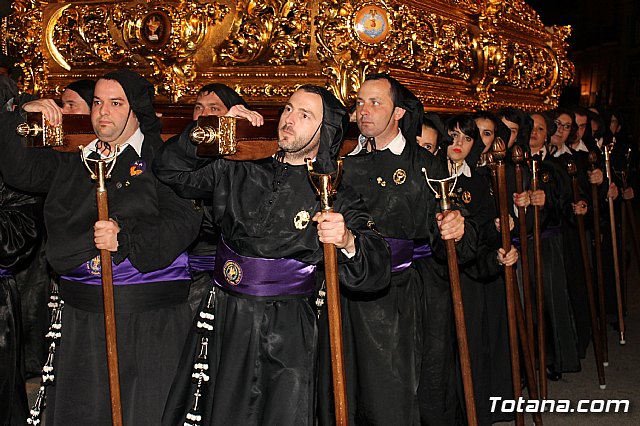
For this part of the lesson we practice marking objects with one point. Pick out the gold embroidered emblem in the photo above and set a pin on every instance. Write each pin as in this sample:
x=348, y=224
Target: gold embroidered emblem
x=545, y=177
x=94, y=266
x=301, y=220
x=466, y=197
x=381, y=182
x=232, y=272
x=399, y=176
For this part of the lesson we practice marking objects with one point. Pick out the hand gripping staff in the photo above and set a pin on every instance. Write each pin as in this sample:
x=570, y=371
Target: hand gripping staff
x=326, y=187
x=100, y=172
x=443, y=191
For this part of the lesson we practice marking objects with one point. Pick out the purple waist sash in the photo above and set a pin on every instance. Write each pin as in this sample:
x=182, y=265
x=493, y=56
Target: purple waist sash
x=547, y=233
x=126, y=274
x=401, y=253
x=256, y=276
x=421, y=251
x=199, y=263
x=6, y=272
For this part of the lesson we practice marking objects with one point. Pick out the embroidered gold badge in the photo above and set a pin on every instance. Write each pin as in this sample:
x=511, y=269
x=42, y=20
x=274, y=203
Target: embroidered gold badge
x=381, y=182
x=399, y=176
x=232, y=272
x=301, y=220
x=94, y=267
x=466, y=197
x=545, y=177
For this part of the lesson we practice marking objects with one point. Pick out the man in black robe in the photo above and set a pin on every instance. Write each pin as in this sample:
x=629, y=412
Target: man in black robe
x=149, y=229
x=256, y=334
x=383, y=331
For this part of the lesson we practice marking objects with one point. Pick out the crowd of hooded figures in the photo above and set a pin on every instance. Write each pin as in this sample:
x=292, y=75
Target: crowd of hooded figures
x=219, y=275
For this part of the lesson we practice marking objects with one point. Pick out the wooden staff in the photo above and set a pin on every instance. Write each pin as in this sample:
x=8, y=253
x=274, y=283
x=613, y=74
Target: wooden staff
x=537, y=259
x=597, y=235
x=100, y=174
x=614, y=242
x=518, y=158
x=326, y=189
x=443, y=193
x=499, y=154
x=595, y=332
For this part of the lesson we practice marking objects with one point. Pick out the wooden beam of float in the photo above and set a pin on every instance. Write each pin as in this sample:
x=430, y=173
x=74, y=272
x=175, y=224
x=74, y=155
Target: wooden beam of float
x=456, y=55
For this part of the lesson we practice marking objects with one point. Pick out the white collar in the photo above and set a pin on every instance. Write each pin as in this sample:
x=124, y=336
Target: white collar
x=562, y=150
x=581, y=146
x=542, y=151
x=396, y=146
x=135, y=141
x=464, y=169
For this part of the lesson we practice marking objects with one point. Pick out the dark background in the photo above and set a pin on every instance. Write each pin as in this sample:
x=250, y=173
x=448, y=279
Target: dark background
x=605, y=48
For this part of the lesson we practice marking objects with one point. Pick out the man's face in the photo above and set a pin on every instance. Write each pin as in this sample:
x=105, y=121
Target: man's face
x=514, y=129
x=487, y=132
x=581, y=122
x=298, y=130
x=209, y=104
x=111, y=115
x=538, y=133
x=428, y=139
x=72, y=103
x=564, y=128
x=375, y=113
x=614, y=125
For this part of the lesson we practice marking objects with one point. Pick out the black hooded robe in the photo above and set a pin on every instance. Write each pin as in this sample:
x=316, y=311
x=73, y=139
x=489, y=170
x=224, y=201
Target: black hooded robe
x=156, y=225
x=262, y=350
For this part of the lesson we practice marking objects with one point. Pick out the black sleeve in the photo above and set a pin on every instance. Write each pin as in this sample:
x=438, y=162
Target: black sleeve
x=19, y=226
x=178, y=166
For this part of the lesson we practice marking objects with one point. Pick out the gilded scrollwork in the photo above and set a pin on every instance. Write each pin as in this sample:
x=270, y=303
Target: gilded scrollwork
x=270, y=32
x=455, y=54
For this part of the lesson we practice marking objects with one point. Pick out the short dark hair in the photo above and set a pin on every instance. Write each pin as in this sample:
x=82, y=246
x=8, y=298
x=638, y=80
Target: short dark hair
x=311, y=88
x=387, y=77
x=466, y=123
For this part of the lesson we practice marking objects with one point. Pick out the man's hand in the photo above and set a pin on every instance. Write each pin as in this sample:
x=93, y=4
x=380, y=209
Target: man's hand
x=333, y=230
x=241, y=111
x=512, y=223
x=538, y=197
x=49, y=109
x=451, y=225
x=579, y=208
x=105, y=235
x=612, y=193
x=509, y=259
x=522, y=200
x=595, y=176
x=627, y=194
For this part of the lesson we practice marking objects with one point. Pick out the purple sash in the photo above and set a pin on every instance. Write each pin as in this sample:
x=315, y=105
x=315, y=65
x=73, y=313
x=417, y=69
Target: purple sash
x=201, y=263
x=421, y=251
x=401, y=253
x=125, y=273
x=547, y=233
x=6, y=272
x=255, y=276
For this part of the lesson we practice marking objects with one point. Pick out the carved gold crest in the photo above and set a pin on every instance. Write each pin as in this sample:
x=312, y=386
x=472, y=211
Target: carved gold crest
x=301, y=220
x=399, y=176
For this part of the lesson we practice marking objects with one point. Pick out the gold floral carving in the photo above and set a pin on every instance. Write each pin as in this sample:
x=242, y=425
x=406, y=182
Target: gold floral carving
x=454, y=54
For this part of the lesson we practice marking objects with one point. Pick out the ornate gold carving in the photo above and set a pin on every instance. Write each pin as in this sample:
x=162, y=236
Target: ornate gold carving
x=454, y=54
x=270, y=32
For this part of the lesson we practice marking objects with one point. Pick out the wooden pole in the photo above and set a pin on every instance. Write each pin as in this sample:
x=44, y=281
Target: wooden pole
x=614, y=243
x=326, y=189
x=595, y=331
x=518, y=159
x=108, y=301
x=499, y=154
x=597, y=237
x=537, y=259
x=458, y=312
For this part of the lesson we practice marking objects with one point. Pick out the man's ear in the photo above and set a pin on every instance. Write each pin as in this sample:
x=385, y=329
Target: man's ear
x=398, y=113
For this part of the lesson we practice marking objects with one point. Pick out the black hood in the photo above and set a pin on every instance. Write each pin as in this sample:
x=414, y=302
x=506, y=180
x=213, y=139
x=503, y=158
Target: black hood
x=84, y=88
x=227, y=95
x=139, y=94
x=335, y=121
